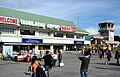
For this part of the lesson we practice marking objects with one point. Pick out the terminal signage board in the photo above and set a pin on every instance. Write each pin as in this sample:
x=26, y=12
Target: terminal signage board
x=39, y=24
x=22, y=22
x=28, y=40
x=8, y=20
x=66, y=28
x=78, y=42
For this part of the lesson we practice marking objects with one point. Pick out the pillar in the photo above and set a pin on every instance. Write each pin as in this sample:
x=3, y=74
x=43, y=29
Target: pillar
x=36, y=33
x=36, y=49
x=64, y=48
x=64, y=36
x=52, y=35
x=18, y=31
x=51, y=48
x=75, y=36
x=96, y=41
x=75, y=47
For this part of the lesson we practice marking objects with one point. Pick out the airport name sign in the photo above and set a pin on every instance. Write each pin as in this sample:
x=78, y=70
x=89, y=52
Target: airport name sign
x=22, y=22
x=39, y=24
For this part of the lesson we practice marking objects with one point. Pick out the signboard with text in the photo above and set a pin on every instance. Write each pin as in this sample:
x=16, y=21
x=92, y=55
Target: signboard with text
x=28, y=40
x=78, y=42
x=66, y=28
x=22, y=22
x=8, y=20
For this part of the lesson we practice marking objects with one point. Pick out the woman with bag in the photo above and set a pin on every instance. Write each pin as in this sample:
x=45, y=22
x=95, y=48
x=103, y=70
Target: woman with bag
x=109, y=56
x=34, y=65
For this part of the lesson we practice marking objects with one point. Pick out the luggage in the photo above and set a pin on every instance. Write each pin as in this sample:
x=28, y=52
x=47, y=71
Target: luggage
x=40, y=71
x=61, y=64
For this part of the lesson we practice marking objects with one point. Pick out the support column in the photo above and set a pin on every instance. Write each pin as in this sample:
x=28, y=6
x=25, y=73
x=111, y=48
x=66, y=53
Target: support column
x=52, y=35
x=64, y=36
x=75, y=47
x=36, y=49
x=95, y=41
x=64, y=48
x=51, y=48
x=75, y=36
x=107, y=26
x=36, y=33
x=18, y=31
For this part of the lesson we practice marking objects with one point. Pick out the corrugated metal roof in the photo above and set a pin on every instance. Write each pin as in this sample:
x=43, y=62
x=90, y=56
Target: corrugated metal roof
x=38, y=18
x=89, y=37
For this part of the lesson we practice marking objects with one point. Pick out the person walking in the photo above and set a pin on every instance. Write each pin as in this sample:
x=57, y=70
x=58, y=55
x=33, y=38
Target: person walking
x=55, y=57
x=59, y=58
x=100, y=54
x=48, y=60
x=85, y=60
x=117, y=56
x=34, y=65
x=108, y=54
x=103, y=53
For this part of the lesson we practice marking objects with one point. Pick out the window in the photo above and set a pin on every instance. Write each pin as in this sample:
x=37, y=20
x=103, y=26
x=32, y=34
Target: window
x=58, y=34
x=69, y=36
x=79, y=37
x=44, y=33
x=7, y=31
x=27, y=32
x=23, y=47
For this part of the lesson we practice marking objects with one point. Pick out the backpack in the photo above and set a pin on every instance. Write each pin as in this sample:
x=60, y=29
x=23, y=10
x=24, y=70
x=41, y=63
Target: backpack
x=40, y=72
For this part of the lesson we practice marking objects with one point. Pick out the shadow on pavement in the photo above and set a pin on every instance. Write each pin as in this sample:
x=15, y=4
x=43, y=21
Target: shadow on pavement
x=112, y=64
x=109, y=68
x=27, y=73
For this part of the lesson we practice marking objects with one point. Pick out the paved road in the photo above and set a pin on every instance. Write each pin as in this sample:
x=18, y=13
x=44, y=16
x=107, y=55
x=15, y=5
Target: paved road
x=97, y=68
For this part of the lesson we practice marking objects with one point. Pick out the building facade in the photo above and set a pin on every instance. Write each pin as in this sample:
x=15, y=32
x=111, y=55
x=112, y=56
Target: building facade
x=30, y=32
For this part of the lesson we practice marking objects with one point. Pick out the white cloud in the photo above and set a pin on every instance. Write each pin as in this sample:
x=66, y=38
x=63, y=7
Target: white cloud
x=92, y=31
x=19, y=4
x=117, y=30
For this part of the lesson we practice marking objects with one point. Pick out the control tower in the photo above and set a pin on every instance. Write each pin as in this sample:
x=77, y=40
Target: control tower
x=106, y=29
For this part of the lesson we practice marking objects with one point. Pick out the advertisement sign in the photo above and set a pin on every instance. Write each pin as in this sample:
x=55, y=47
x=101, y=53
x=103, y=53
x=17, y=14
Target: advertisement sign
x=98, y=37
x=8, y=20
x=78, y=42
x=27, y=40
x=7, y=50
x=73, y=29
x=69, y=29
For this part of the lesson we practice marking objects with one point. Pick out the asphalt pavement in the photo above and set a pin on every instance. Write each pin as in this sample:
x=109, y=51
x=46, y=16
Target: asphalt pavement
x=97, y=67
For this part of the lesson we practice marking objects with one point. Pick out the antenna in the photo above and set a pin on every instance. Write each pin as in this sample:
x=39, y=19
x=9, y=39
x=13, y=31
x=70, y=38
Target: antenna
x=78, y=21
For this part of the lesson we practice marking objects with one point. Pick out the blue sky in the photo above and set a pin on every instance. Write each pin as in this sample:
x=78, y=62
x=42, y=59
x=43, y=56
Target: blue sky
x=86, y=14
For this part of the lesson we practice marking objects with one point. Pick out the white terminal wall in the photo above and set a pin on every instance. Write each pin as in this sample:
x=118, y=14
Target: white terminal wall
x=10, y=39
x=58, y=41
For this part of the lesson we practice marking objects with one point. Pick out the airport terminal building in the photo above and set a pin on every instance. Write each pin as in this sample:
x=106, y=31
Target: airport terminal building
x=30, y=32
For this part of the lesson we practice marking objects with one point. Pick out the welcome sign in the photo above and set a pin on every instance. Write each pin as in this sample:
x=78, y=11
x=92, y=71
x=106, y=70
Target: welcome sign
x=22, y=22
x=8, y=20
